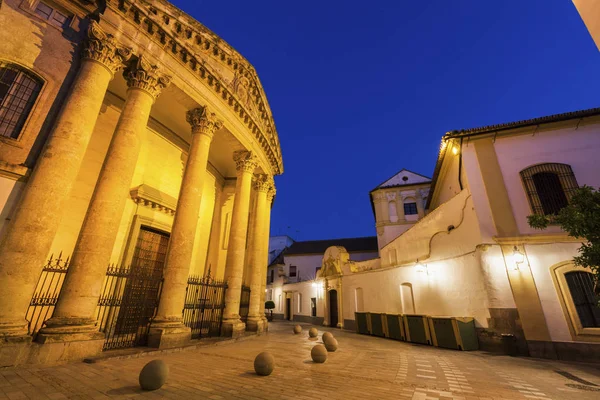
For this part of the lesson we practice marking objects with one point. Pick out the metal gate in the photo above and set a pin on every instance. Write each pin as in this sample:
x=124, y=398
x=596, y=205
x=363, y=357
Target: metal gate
x=130, y=296
x=204, y=305
x=245, y=303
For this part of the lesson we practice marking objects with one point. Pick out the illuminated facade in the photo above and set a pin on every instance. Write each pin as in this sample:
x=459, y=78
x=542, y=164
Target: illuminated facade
x=131, y=136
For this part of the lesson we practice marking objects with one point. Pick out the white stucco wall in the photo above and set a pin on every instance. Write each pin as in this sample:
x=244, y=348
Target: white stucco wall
x=577, y=146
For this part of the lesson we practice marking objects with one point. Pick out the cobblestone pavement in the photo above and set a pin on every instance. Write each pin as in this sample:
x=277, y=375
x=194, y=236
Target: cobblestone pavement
x=364, y=367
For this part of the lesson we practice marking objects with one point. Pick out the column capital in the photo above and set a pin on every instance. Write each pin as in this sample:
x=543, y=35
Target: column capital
x=271, y=194
x=245, y=161
x=104, y=49
x=263, y=182
x=203, y=121
x=141, y=74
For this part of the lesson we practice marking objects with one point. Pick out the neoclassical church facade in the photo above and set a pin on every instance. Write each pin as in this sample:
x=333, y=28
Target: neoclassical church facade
x=137, y=156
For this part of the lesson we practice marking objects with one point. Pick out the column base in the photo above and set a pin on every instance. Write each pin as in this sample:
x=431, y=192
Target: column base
x=265, y=322
x=256, y=324
x=233, y=327
x=167, y=334
x=13, y=330
x=67, y=339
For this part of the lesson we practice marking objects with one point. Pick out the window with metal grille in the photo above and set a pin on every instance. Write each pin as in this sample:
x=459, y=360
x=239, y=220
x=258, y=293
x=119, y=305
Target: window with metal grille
x=292, y=270
x=549, y=187
x=18, y=91
x=271, y=276
x=410, y=209
x=581, y=286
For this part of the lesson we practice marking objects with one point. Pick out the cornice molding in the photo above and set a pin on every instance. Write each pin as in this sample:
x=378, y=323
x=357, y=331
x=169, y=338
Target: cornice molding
x=191, y=43
x=153, y=198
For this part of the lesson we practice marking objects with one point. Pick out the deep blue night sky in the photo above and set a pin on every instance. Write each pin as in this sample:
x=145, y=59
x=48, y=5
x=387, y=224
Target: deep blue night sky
x=360, y=90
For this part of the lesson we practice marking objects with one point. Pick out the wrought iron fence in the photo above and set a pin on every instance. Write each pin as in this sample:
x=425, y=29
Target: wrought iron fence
x=127, y=304
x=46, y=293
x=204, y=304
x=245, y=303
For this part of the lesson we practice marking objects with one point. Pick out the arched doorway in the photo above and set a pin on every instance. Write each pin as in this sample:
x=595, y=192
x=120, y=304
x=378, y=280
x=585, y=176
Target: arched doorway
x=333, y=308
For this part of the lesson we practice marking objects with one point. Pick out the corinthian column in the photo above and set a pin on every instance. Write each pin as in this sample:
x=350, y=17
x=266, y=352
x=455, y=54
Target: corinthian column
x=262, y=184
x=234, y=265
x=167, y=329
x=265, y=254
x=73, y=317
x=33, y=226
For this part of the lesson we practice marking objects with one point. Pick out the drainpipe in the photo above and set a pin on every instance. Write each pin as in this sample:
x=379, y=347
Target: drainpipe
x=460, y=165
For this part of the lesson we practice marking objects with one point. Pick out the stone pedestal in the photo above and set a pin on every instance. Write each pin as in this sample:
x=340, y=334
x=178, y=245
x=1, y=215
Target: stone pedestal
x=75, y=310
x=37, y=216
x=234, y=265
x=168, y=330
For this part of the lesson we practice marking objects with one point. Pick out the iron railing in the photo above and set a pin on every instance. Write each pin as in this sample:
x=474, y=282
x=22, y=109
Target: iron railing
x=127, y=304
x=204, y=305
x=46, y=293
x=245, y=303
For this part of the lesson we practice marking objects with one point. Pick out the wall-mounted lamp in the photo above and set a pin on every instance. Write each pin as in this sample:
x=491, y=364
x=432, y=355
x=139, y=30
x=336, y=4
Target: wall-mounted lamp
x=314, y=284
x=517, y=258
x=455, y=150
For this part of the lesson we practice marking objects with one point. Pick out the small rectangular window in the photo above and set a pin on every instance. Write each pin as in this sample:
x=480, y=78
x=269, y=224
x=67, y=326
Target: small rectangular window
x=272, y=276
x=410, y=209
x=292, y=270
x=53, y=16
x=313, y=306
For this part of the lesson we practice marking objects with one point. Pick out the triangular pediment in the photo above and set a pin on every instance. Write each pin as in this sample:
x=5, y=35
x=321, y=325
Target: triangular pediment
x=403, y=178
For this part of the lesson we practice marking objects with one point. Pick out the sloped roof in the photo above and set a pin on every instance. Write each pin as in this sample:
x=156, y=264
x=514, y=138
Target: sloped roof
x=488, y=129
x=404, y=177
x=353, y=245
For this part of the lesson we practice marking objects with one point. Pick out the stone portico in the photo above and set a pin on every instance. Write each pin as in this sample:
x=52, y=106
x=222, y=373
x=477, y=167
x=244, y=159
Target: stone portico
x=158, y=155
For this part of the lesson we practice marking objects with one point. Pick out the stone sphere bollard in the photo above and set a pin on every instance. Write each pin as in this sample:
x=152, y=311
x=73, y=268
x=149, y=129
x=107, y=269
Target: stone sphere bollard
x=154, y=375
x=264, y=363
x=297, y=329
x=313, y=332
x=331, y=344
x=326, y=336
x=319, y=354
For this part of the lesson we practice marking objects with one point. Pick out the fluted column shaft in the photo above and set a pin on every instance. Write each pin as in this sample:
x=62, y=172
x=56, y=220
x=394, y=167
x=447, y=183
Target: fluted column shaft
x=234, y=264
x=181, y=245
x=36, y=219
x=265, y=254
x=262, y=184
x=74, y=312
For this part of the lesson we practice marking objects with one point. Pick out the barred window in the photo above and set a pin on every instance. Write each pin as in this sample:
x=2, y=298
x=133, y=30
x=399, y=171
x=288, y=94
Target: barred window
x=581, y=286
x=292, y=270
x=410, y=209
x=18, y=91
x=549, y=187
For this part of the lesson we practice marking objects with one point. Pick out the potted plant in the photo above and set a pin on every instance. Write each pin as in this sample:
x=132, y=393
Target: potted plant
x=270, y=305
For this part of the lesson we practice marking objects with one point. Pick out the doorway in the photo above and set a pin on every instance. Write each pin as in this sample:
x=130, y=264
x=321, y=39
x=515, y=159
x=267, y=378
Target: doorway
x=288, y=309
x=333, y=308
x=131, y=295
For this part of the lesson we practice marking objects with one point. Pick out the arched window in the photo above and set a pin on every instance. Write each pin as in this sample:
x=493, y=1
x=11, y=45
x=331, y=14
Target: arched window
x=581, y=287
x=18, y=91
x=549, y=187
x=359, y=303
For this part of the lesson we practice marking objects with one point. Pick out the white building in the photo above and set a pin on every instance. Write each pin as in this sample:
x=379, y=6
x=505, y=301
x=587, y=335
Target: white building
x=474, y=254
x=290, y=276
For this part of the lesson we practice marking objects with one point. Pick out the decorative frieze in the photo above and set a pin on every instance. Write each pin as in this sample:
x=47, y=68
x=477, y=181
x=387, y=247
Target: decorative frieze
x=141, y=74
x=153, y=198
x=203, y=121
x=104, y=48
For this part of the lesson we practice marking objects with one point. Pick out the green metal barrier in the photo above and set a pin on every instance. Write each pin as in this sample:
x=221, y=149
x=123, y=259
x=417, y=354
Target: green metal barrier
x=417, y=329
x=361, y=323
x=395, y=326
x=377, y=327
x=454, y=333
